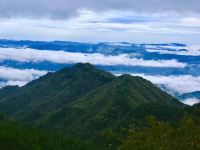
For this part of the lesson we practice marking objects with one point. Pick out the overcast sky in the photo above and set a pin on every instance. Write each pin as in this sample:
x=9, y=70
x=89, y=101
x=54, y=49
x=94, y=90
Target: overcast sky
x=138, y=21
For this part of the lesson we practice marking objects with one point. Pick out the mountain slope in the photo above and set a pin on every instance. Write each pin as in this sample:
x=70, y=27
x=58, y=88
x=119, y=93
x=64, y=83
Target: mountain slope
x=53, y=91
x=14, y=136
x=124, y=101
x=8, y=90
x=85, y=101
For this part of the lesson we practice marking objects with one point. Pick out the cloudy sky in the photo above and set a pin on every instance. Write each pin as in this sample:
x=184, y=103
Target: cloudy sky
x=138, y=21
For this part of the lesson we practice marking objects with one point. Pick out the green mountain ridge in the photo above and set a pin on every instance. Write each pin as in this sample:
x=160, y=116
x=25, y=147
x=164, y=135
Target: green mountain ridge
x=53, y=91
x=124, y=101
x=91, y=104
x=83, y=93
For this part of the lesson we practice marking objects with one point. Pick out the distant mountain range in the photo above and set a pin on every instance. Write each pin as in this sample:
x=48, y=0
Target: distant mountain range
x=140, y=51
x=190, y=95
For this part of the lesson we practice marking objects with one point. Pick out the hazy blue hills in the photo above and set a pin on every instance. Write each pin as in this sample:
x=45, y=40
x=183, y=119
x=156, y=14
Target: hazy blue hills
x=140, y=51
x=190, y=95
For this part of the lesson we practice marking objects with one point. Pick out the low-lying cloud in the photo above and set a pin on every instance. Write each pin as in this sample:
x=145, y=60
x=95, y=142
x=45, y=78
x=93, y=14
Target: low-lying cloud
x=191, y=101
x=7, y=73
x=187, y=51
x=175, y=84
x=63, y=57
x=12, y=83
x=13, y=76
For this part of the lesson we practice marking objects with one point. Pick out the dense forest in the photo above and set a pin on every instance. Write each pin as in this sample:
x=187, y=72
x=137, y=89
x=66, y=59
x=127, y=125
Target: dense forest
x=15, y=136
x=185, y=135
x=159, y=135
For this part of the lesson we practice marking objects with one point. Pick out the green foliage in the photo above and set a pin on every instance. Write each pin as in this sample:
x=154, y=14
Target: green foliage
x=163, y=136
x=8, y=91
x=51, y=92
x=16, y=137
x=121, y=102
x=85, y=100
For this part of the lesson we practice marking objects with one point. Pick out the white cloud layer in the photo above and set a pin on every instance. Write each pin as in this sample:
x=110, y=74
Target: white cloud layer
x=175, y=84
x=7, y=73
x=13, y=83
x=13, y=76
x=62, y=57
x=191, y=101
x=190, y=50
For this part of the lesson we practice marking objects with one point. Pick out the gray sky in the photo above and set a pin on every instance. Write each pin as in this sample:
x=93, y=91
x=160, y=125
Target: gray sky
x=64, y=8
x=134, y=20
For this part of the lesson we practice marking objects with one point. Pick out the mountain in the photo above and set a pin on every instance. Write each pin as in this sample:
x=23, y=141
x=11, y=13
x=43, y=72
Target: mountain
x=53, y=91
x=83, y=100
x=89, y=103
x=124, y=101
